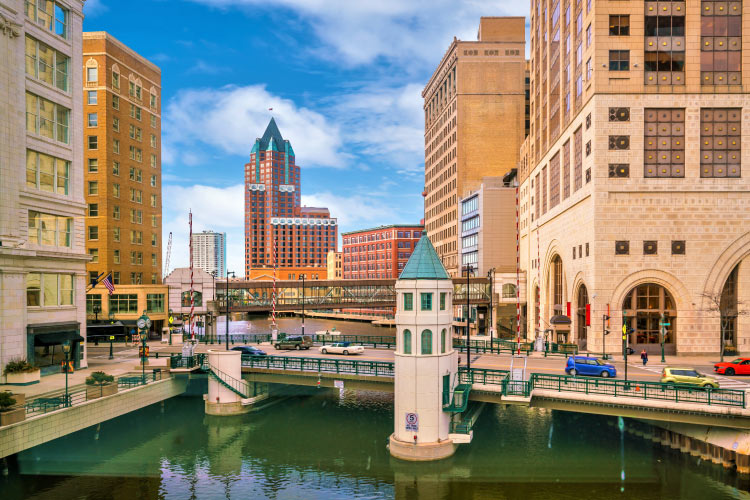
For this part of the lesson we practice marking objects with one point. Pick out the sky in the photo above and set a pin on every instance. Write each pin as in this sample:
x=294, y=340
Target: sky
x=344, y=79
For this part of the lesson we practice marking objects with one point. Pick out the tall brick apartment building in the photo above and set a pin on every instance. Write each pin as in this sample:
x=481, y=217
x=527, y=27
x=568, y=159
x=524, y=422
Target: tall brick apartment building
x=303, y=236
x=379, y=252
x=122, y=161
x=633, y=196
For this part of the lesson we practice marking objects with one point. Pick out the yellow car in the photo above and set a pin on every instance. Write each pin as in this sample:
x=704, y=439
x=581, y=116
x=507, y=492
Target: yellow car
x=687, y=376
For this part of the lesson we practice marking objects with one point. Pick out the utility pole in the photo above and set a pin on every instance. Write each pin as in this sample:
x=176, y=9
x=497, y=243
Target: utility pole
x=227, y=299
x=490, y=275
x=605, y=318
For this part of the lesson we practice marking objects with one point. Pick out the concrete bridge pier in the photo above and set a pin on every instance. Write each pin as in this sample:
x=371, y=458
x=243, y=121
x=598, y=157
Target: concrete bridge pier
x=225, y=384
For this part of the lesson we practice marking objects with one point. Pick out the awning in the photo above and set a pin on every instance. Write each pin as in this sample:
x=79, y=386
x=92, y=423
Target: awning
x=43, y=339
x=559, y=319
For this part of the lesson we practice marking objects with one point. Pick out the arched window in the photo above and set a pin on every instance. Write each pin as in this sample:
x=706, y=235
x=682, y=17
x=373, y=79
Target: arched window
x=728, y=306
x=583, y=300
x=426, y=342
x=643, y=308
x=442, y=341
x=557, y=286
x=198, y=296
x=407, y=342
x=509, y=291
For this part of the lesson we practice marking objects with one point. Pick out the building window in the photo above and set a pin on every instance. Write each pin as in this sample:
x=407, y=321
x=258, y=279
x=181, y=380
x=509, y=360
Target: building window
x=50, y=15
x=619, y=25
x=123, y=303
x=408, y=302
x=115, y=102
x=93, y=165
x=720, y=142
x=588, y=148
x=721, y=43
x=619, y=60
x=93, y=142
x=509, y=291
x=197, y=298
x=93, y=119
x=155, y=302
x=645, y=305
x=93, y=188
x=92, y=75
x=116, y=124
x=407, y=341
x=425, y=301
x=46, y=64
x=91, y=97
x=94, y=253
x=664, y=58
x=678, y=247
x=50, y=230
x=566, y=170
x=577, y=161
x=153, y=181
x=443, y=341
x=116, y=234
x=554, y=181
x=557, y=289
x=664, y=143
x=426, y=347
x=116, y=257
x=49, y=290
x=47, y=173
x=47, y=119
x=649, y=247
x=442, y=300
x=93, y=232
x=116, y=146
x=115, y=80
x=622, y=247
x=619, y=170
x=93, y=302
x=116, y=190
x=116, y=168
x=93, y=210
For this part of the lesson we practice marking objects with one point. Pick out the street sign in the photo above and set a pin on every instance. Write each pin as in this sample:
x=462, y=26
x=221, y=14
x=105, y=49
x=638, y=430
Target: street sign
x=665, y=324
x=624, y=328
x=171, y=319
x=412, y=422
x=111, y=337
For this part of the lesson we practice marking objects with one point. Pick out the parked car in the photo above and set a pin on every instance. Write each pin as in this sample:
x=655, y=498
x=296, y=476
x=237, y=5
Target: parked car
x=740, y=366
x=342, y=348
x=294, y=342
x=249, y=350
x=687, y=376
x=584, y=365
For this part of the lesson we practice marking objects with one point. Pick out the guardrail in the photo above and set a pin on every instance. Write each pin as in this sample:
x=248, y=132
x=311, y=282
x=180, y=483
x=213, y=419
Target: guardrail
x=484, y=376
x=180, y=361
x=499, y=346
x=322, y=365
x=80, y=393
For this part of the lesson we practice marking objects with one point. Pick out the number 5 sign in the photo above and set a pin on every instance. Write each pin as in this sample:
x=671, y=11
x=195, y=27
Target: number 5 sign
x=412, y=422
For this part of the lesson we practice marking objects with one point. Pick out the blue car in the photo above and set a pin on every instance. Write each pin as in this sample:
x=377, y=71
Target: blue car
x=583, y=365
x=248, y=350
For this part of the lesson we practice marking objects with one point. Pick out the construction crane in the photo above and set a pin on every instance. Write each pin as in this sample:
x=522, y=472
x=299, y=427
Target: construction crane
x=169, y=252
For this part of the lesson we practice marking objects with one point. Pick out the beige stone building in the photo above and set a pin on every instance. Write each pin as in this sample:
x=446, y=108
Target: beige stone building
x=42, y=253
x=122, y=161
x=633, y=200
x=477, y=86
x=334, y=265
x=127, y=304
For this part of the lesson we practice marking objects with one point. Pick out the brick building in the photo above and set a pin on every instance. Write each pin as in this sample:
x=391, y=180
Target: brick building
x=379, y=252
x=122, y=161
x=633, y=200
x=278, y=231
x=475, y=114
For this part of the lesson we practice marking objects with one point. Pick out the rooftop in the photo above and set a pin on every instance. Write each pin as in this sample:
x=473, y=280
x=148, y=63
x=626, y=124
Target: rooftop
x=389, y=226
x=424, y=263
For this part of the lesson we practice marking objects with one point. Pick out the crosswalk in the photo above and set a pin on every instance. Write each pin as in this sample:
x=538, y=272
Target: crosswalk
x=724, y=382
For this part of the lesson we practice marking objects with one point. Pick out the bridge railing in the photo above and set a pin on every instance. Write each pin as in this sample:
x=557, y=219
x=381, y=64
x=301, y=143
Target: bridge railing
x=180, y=361
x=320, y=365
x=484, y=376
x=640, y=389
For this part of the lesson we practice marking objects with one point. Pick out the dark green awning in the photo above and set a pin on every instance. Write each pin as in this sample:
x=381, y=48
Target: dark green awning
x=43, y=339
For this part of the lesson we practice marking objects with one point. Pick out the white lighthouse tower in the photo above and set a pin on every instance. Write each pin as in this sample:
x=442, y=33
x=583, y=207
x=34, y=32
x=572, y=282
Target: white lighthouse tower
x=425, y=362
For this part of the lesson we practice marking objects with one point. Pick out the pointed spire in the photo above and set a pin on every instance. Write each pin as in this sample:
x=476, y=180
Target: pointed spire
x=272, y=139
x=424, y=263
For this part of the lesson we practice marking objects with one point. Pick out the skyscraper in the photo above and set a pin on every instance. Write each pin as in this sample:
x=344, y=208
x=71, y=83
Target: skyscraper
x=210, y=252
x=279, y=233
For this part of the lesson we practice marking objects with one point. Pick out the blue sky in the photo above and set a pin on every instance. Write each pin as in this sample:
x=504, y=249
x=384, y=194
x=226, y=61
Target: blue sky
x=344, y=79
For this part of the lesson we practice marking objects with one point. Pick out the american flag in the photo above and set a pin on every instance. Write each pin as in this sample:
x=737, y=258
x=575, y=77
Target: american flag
x=108, y=283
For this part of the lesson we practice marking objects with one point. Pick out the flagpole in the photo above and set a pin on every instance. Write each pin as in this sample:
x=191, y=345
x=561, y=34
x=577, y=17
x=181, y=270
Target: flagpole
x=192, y=293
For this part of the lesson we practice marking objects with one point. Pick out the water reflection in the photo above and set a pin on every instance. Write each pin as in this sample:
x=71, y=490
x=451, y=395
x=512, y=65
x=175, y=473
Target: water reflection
x=327, y=445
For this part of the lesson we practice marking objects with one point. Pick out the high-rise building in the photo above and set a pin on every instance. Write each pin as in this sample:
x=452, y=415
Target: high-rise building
x=379, y=252
x=122, y=161
x=474, y=107
x=334, y=265
x=633, y=200
x=42, y=252
x=280, y=235
x=210, y=252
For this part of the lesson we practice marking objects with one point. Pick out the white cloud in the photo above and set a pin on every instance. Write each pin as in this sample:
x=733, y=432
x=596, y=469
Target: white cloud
x=94, y=7
x=404, y=32
x=353, y=211
x=230, y=118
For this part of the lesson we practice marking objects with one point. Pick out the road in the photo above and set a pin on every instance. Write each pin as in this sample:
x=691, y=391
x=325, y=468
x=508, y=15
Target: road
x=98, y=358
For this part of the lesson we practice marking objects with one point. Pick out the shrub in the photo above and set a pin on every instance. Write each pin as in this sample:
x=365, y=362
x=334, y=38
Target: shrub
x=18, y=366
x=6, y=401
x=99, y=378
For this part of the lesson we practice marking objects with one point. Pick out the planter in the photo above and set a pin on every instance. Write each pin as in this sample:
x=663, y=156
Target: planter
x=12, y=416
x=19, y=397
x=23, y=378
x=94, y=392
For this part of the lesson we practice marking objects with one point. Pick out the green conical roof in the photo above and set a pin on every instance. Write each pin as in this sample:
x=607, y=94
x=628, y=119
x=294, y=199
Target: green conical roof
x=424, y=263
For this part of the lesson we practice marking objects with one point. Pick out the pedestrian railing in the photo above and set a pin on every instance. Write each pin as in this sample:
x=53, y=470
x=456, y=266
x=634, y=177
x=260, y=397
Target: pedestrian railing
x=195, y=361
x=322, y=365
x=238, y=386
x=485, y=376
x=640, y=389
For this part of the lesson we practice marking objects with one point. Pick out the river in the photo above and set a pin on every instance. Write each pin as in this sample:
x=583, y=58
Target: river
x=328, y=445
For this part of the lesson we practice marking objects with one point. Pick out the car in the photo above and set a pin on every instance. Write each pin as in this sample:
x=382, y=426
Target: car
x=342, y=348
x=294, y=342
x=248, y=350
x=687, y=376
x=740, y=366
x=585, y=365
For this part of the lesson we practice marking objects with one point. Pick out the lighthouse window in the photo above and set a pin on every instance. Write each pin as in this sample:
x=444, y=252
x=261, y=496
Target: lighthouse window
x=442, y=300
x=407, y=342
x=442, y=341
x=426, y=342
x=408, y=302
x=426, y=301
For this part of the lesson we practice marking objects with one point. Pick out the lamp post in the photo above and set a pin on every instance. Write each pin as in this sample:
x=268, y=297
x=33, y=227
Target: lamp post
x=469, y=269
x=302, y=277
x=604, y=334
x=66, y=350
x=491, y=275
x=227, y=299
x=96, y=311
x=143, y=323
x=214, y=273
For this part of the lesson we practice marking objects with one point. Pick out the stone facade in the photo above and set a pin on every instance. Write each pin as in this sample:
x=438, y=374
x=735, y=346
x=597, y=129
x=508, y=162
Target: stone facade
x=599, y=220
x=48, y=195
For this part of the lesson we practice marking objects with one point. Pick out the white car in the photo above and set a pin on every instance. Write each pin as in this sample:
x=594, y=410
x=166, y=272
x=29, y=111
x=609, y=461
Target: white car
x=342, y=348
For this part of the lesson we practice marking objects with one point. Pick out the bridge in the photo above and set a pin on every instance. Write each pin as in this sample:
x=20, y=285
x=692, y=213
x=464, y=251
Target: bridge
x=256, y=296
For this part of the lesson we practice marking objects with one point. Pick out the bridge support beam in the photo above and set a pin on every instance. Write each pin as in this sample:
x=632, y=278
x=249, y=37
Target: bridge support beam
x=220, y=400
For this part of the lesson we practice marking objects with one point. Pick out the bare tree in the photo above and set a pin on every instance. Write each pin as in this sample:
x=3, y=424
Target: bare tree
x=727, y=308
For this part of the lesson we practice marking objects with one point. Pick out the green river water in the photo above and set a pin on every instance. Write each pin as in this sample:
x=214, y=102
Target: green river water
x=330, y=445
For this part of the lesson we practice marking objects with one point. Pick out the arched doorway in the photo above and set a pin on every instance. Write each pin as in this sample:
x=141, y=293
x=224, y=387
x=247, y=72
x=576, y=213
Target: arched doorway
x=728, y=307
x=559, y=323
x=643, y=308
x=581, y=302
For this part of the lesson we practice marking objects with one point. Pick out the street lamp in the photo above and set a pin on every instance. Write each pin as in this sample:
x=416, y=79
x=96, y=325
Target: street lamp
x=605, y=332
x=491, y=275
x=302, y=277
x=214, y=273
x=143, y=323
x=468, y=269
x=66, y=350
x=96, y=311
x=227, y=299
